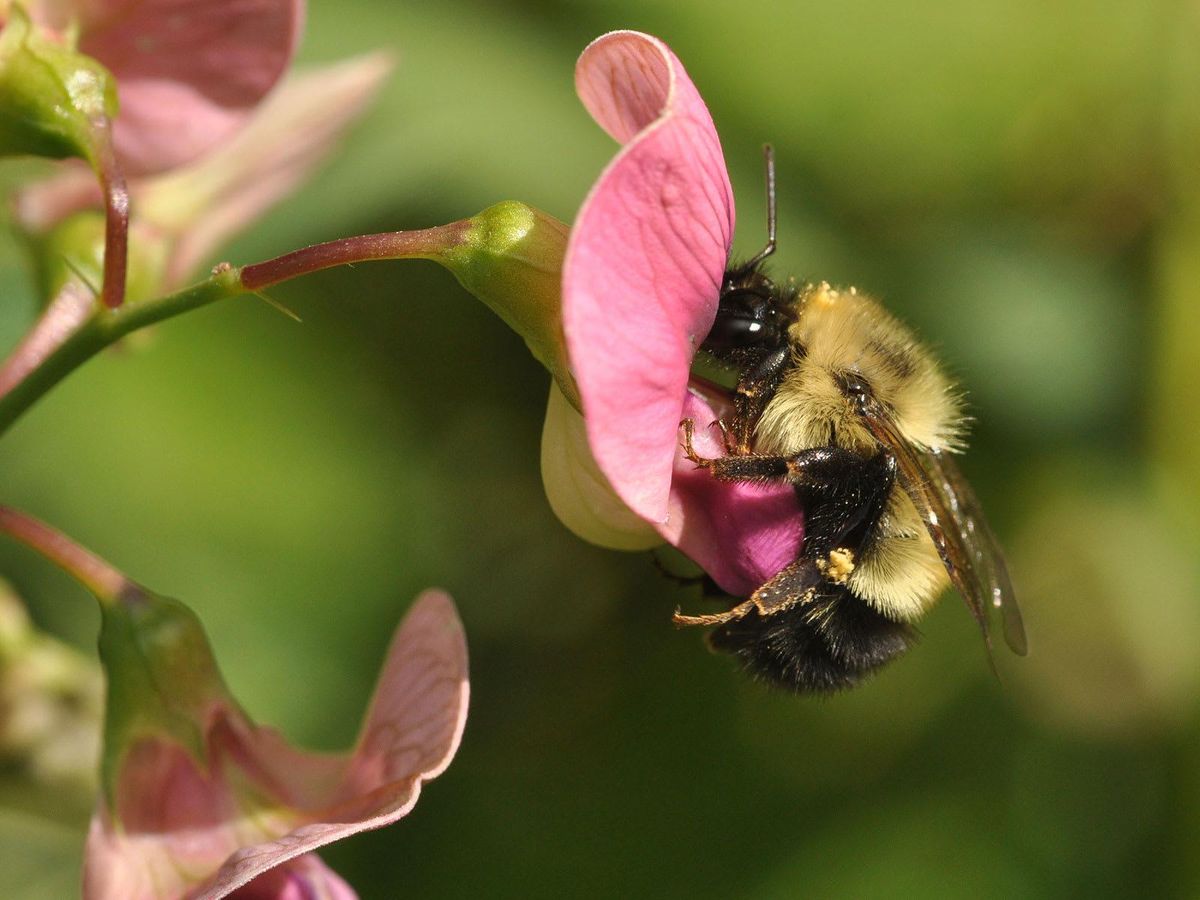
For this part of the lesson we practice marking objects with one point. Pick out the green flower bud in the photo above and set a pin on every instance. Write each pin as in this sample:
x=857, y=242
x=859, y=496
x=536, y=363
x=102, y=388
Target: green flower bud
x=510, y=257
x=162, y=677
x=52, y=98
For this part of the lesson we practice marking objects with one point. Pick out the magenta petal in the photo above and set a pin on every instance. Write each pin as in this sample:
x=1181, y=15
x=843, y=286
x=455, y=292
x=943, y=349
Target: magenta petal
x=741, y=534
x=188, y=73
x=644, y=262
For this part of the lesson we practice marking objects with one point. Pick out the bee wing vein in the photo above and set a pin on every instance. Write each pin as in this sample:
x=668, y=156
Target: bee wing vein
x=955, y=521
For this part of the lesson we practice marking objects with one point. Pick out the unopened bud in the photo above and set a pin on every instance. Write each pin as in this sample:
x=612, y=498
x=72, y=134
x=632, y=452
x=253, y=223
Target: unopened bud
x=52, y=98
x=162, y=678
x=511, y=258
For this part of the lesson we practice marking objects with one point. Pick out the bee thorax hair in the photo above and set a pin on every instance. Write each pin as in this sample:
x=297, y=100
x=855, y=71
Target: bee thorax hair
x=839, y=332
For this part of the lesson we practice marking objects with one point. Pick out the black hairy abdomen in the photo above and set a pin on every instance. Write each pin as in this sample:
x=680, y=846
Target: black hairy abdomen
x=813, y=634
x=826, y=644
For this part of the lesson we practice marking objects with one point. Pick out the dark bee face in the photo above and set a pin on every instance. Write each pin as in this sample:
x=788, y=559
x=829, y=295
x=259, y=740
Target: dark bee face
x=749, y=315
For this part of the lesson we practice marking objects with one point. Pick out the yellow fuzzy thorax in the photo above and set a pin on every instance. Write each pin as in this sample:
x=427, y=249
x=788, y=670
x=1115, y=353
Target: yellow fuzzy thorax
x=845, y=331
x=838, y=332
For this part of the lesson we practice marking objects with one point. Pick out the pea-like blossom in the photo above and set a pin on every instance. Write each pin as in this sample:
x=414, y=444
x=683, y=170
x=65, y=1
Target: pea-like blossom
x=641, y=282
x=200, y=802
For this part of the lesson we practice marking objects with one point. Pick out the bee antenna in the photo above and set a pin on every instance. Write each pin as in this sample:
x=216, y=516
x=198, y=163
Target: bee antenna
x=769, y=160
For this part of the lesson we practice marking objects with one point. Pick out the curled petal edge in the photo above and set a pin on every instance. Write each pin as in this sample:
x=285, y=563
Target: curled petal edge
x=644, y=262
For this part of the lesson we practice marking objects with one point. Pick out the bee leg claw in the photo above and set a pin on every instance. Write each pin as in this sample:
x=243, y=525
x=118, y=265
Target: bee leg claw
x=689, y=431
x=727, y=437
x=682, y=621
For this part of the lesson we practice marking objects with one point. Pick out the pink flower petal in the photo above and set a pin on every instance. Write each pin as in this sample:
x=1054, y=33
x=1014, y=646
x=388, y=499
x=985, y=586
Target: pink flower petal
x=188, y=72
x=412, y=732
x=293, y=131
x=41, y=205
x=182, y=825
x=644, y=262
x=303, y=878
x=740, y=534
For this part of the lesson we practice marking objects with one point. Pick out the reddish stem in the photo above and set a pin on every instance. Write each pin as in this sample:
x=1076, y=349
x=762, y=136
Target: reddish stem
x=90, y=570
x=428, y=243
x=116, y=215
x=62, y=318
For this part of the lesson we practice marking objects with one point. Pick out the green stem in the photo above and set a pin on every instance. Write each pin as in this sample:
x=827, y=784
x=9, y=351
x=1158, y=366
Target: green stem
x=104, y=327
x=108, y=584
x=57, y=348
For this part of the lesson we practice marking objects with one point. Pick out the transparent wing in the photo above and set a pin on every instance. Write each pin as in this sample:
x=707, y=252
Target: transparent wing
x=955, y=521
x=985, y=568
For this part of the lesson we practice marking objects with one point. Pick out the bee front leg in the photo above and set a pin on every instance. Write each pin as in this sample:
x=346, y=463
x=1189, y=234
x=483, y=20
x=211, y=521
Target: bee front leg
x=743, y=467
x=755, y=389
x=730, y=442
x=688, y=426
x=689, y=434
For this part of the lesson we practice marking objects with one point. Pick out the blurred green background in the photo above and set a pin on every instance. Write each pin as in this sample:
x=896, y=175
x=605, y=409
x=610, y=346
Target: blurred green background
x=1019, y=180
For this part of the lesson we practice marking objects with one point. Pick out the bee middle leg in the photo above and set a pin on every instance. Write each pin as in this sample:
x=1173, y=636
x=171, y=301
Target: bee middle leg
x=820, y=469
x=843, y=494
x=736, y=467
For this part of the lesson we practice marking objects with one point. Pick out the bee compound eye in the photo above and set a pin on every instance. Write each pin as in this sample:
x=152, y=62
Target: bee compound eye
x=733, y=330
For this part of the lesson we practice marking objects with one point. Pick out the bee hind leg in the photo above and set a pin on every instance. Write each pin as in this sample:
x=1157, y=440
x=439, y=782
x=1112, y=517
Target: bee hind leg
x=730, y=615
x=797, y=583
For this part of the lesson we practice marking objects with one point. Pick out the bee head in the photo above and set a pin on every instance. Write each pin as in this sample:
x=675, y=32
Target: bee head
x=749, y=314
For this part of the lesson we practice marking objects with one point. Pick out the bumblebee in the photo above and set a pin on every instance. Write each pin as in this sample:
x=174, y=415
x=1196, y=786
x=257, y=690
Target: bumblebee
x=837, y=398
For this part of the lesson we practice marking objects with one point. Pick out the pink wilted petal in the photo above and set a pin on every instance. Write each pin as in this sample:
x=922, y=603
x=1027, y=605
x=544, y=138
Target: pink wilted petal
x=293, y=131
x=188, y=73
x=302, y=878
x=644, y=262
x=741, y=534
x=411, y=733
x=176, y=826
x=193, y=831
